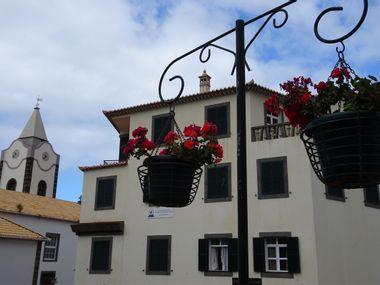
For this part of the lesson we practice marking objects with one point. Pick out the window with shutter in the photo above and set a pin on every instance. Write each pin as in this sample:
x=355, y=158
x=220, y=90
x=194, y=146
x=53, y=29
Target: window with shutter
x=372, y=196
x=272, y=177
x=105, y=193
x=158, y=255
x=334, y=193
x=219, y=114
x=276, y=256
x=218, y=255
x=101, y=252
x=218, y=183
x=161, y=125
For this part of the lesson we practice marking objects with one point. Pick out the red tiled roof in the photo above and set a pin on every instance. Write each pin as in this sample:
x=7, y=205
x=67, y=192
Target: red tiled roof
x=103, y=166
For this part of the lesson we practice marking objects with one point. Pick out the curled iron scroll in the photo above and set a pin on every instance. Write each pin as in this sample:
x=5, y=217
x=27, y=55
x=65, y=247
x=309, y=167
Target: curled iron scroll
x=340, y=39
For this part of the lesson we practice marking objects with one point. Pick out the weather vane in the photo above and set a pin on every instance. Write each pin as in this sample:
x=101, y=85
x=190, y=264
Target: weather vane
x=38, y=101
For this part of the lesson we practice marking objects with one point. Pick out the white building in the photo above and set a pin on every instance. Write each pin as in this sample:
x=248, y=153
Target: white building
x=37, y=245
x=299, y=231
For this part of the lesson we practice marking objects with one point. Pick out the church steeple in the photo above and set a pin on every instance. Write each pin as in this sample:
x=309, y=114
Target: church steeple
x=30, y=164
x=34, y=127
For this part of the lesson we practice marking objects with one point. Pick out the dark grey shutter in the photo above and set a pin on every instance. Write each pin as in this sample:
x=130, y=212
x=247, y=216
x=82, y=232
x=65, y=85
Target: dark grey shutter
x=258, y=255
x=217, y=182
x=272, y=177
x=219, y=116
x=101, y=255
x=203, y=254
x=158, y=255
x=233, y=257
x=293, y=255
x=161, y=126
x=105, y=193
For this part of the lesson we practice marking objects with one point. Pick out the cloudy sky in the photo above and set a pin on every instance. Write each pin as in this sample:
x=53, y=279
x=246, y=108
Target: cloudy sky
x=85, y=56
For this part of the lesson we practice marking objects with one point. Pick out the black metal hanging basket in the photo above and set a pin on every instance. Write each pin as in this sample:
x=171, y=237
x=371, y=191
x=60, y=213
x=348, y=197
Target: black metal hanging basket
x=344, y=148
x=169, y=181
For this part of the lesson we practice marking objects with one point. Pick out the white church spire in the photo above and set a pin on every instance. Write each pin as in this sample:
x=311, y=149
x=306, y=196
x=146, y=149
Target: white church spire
x=34, y=127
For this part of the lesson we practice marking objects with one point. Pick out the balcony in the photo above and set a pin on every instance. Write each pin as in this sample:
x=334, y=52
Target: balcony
x=271, y=132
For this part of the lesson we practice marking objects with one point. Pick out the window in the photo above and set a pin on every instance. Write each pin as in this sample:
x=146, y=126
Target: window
x=218, y=183
x=101, y=252
x=41, y=189
x=219, y=114
x=372, y=196
x=217, y=254
x=334, y=193
x=276, y=255
x=272, y=177
x=105, y=193
x=158, y=255
x=161, y=125
x=123, y=141
x=270, y=118
x=12, y=184
x=51, y=247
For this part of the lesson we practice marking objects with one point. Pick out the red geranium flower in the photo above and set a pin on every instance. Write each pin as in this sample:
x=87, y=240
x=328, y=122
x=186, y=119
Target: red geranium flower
x=188, y=144
x=139, y=132
x=192, y=131
x=209, y=129
x=171, y=137
x=147, y=144
x=321, y=86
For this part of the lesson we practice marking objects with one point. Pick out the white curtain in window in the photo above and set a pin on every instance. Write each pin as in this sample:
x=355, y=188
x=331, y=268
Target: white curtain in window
x=224, y=257
x=213, y=259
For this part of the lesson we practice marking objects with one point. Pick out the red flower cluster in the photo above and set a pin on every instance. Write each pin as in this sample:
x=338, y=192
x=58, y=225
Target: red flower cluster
x=139, y=145
x=298, y=96
x=198, y=145
x=339, y=93
x=340, y=73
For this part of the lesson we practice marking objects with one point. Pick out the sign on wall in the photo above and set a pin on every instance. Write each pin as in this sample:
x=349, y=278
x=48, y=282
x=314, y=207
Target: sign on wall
x=160, y=212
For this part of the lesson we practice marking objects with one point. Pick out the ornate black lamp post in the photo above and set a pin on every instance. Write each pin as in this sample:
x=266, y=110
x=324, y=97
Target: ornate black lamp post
x=240, y=65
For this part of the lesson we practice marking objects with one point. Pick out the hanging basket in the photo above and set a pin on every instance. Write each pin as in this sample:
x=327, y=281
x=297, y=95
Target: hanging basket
x=169, y=181
x=344, y=148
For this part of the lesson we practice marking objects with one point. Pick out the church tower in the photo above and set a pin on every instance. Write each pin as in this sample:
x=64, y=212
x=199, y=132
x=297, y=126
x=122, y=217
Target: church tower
x=30, y=164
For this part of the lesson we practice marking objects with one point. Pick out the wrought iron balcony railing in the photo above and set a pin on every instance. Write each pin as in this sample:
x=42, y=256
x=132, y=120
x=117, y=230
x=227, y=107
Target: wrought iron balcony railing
x=276, y=131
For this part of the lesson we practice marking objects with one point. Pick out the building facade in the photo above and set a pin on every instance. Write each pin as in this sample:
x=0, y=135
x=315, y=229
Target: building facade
x=300, y=232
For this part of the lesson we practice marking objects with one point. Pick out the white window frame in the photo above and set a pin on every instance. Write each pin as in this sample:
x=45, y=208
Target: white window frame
x=51, y=247
x=216, y=250
x=277, y=246
x=271, y=117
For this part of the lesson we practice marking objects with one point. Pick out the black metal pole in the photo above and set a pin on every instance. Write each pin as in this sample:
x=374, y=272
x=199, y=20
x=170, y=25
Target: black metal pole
x=241, y=155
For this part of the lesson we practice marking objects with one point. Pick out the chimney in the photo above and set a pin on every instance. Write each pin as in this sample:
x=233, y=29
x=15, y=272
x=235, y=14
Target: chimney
x=204, y=82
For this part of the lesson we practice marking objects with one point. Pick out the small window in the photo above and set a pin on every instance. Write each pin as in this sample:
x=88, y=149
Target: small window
x=217, y=255
x=270, y=118
x=219, y=114
x=105, y=193
x=161, y=125
x=272, y=177
x=12, y=184
x=158, y=255
x=123, y=141
x=334, y=193
x=101, y=253
x=218, y=183
x=41, y=189
x=276, y=256
x=372, y=196
x=51, y=247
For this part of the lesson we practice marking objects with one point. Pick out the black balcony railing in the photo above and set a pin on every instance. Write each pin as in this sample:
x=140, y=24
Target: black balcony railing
x=275, y=131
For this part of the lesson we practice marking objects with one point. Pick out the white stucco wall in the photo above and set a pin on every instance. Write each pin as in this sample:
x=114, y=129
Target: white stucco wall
x=65, y=264
x=17, y=261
